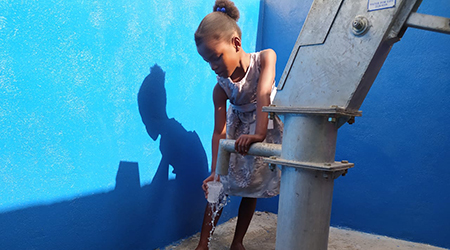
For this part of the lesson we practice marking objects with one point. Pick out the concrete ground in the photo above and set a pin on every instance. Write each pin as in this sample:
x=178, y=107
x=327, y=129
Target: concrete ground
x=262, y=231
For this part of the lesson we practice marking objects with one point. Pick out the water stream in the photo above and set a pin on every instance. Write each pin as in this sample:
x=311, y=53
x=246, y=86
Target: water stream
x=215, y=209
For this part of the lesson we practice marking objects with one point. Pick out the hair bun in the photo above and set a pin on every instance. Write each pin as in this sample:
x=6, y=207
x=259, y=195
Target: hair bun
x=227, y=7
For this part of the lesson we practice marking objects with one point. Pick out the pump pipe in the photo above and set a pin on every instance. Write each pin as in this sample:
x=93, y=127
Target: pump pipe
x=226, y=147
x=429, y=22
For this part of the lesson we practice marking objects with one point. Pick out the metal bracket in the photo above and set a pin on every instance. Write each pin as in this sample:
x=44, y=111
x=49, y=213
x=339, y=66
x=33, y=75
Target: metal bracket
x=329, y=167
x=331, y=111
x=333, y=175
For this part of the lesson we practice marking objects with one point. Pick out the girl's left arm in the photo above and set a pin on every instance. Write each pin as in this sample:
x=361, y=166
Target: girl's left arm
x=266, y=79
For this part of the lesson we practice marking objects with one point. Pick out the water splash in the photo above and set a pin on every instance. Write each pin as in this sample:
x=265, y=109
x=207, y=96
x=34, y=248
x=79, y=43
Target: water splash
x=215, y=209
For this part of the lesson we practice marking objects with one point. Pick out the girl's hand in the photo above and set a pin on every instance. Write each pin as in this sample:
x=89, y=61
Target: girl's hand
x=244, y=142
x=205, y=186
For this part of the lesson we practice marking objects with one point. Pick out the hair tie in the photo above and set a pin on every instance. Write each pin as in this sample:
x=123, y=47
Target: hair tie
x=221, y=9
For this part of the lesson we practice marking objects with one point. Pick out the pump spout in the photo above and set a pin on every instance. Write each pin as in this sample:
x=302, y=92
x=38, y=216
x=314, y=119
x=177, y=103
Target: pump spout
x=226, y=147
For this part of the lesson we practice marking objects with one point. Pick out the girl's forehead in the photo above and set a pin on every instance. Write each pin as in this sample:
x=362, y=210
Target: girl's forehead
x=213, y=44
x=210, y=47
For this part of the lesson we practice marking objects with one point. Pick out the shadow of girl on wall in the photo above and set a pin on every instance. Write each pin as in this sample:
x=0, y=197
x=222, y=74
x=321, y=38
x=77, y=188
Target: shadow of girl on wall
x=180, y=200
x=130, y=216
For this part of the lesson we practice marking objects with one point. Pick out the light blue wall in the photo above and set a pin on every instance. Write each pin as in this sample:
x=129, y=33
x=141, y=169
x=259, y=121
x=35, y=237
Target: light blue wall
x=399, y=186
x=78, y=168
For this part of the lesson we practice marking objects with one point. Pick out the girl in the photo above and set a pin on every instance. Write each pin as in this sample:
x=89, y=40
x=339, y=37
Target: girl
x=247, y=80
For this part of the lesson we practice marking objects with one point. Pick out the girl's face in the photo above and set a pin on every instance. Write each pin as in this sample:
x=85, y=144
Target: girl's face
x=222, y=56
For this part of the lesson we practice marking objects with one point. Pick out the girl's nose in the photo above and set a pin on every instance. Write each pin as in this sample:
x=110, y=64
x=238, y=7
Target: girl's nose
x=213, y=66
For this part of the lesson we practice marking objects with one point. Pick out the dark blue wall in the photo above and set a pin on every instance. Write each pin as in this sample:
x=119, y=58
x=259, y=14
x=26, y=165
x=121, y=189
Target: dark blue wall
x=399, y=184
x=106, y=118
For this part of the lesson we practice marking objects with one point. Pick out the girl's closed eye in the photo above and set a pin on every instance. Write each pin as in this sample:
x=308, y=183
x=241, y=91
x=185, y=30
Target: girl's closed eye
x=213, y=58
x=216, y=58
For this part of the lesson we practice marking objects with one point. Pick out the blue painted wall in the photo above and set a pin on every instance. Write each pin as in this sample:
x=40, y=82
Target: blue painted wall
x=85, y=85
x=106, y=118
x=399, y=185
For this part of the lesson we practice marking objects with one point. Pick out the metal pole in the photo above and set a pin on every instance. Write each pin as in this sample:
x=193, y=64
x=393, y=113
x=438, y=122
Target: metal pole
x=306, y=194
x=304, y=209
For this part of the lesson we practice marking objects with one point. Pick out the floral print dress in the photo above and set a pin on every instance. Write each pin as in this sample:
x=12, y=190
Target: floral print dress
x=249, y=176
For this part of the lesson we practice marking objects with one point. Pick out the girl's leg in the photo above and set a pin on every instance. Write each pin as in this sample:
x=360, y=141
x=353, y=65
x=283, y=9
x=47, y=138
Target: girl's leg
x=207, y=226
x=246, y=210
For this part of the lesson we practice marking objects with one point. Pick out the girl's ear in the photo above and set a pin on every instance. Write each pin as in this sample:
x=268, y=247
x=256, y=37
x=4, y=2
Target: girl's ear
x=236, y=42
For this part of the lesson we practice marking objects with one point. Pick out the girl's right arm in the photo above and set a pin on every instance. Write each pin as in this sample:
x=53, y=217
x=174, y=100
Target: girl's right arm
x=220, y=119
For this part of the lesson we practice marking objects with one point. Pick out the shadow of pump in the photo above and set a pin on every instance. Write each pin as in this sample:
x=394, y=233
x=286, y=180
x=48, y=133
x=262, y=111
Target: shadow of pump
x=130, y=216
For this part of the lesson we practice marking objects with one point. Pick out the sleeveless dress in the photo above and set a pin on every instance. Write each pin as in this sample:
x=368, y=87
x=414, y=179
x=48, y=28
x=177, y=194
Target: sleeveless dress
x=249, y=176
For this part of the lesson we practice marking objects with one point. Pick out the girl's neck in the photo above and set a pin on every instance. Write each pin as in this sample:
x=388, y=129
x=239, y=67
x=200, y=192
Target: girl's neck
x=242, y=69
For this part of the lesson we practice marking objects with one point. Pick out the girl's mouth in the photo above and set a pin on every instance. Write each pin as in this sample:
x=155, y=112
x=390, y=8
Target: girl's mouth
x=222, y=74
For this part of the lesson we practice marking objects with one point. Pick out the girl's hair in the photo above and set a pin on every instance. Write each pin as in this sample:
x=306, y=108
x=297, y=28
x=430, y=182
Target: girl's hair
x=220, y=24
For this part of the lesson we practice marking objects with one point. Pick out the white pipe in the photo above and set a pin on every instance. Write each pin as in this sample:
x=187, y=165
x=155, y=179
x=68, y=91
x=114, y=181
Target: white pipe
x=226, y=147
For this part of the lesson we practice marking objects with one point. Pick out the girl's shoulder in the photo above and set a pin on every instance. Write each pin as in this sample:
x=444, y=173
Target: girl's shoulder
x=267, y=57
x=267, y=52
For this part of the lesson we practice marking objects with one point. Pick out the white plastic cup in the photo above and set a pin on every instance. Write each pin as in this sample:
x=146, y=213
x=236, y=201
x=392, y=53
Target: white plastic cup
x=214, y=190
